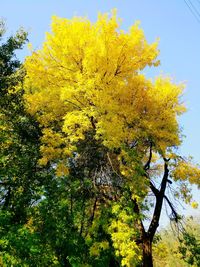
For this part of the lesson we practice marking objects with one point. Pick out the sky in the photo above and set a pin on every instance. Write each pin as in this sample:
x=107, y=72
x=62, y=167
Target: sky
x=170, y=21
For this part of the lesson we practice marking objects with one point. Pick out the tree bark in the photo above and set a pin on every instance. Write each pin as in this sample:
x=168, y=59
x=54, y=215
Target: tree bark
x=113, y=262
x=147, y=253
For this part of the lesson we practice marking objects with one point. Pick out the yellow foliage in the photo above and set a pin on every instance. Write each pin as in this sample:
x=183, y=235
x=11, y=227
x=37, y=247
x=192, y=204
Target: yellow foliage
x=87, y=76
x=123, y=237
x=187, y=171
x=30, y=225
x=97, y=247
x=194, y=205
x=62, y=170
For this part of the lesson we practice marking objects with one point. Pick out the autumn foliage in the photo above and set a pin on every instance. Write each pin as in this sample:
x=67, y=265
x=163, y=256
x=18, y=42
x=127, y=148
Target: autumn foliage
x=88, y=76
x=110, y=133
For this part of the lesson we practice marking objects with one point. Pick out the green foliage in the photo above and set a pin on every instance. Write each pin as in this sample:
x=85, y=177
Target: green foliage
x=20, y=180
x=179, y=249
x=190, y=244
x=21, y=246
x=19, y=135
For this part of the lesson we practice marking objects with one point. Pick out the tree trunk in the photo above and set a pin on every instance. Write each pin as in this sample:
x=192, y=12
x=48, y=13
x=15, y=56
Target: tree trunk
x=147, y=253
x=113, y=262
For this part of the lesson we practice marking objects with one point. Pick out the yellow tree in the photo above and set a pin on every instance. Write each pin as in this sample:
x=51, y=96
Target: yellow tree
x=87, y=78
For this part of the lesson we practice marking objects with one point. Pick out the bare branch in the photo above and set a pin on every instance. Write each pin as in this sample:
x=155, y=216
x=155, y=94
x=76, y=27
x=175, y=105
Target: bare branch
x=174, y=213
x=159, y=201
x=147, y=165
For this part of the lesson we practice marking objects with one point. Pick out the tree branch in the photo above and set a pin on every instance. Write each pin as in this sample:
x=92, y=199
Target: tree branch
x=175, y=214
x=140, y=223
x=147, y=165
x=160, y=194
x=93, y=211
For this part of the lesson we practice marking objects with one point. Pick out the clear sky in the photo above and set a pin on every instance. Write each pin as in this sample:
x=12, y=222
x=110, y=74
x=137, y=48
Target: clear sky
x=171, y=21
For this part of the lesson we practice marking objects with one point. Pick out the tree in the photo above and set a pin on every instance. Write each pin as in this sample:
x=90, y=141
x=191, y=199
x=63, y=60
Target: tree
x=86, y=83
x=189, y=246
x=178, y=248
x=20, y=180
x=19, y=133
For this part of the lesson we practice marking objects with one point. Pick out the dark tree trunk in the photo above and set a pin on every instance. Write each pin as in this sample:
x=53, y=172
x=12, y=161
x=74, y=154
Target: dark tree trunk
x=147, y=253
x=113, y=262
x=146, y=237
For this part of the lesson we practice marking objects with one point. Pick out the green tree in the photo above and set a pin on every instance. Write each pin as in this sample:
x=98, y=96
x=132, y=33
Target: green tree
x=190, y=243
x=73, y=216
x=178, y=246
x=19, y=132
x=20, y=179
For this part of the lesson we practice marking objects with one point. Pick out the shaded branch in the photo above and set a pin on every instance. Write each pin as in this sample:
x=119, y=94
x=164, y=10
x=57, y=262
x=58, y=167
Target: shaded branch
x=140, y=223
x=74, y=104
x=93, y=211
x=147, y=165
x=92, y=122
x=83, y=217
x=175, y=214
x=111, y=164
x=154, y=189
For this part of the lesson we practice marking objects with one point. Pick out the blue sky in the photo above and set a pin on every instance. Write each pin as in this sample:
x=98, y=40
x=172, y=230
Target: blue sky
x=171, y=21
